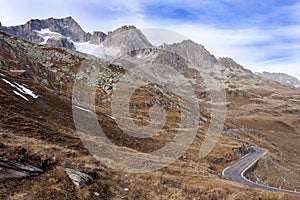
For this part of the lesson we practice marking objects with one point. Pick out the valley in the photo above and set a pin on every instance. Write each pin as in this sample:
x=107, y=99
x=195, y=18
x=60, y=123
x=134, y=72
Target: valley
x=50, y=92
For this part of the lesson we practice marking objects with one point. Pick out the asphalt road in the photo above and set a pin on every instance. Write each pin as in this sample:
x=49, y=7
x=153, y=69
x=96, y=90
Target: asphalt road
x=236, y=171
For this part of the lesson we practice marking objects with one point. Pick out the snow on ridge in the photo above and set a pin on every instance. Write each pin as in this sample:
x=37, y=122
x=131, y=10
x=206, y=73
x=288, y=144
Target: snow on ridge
x=47, y=31
x=99, y=51
x=46, y=34
x=22, y=89
x=45, y=38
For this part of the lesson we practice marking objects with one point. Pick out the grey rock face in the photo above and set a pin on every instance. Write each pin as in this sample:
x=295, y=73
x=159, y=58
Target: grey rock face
x=195, y=53
x=282, y=78
x=230, y=63
x=12, y=169
x=61, y=42
x=65, y=27
x=98, y=37
x=78, y=178
x=127, y=37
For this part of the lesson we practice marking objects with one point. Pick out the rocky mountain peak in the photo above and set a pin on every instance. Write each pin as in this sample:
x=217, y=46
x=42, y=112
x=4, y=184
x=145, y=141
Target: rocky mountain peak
x=128, y=38
x=57, y=32
x=66, y=27
x=195, y=53
x=122, y=29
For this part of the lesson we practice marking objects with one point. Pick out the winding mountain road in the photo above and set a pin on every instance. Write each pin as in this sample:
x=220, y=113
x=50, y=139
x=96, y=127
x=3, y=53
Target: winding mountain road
x=236, y=171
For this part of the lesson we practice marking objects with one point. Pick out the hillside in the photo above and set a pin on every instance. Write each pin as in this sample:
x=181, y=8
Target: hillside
x=39, y=126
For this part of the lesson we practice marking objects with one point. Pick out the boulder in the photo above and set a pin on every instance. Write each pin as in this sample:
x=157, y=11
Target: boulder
x=78, y=178
x=13, y=169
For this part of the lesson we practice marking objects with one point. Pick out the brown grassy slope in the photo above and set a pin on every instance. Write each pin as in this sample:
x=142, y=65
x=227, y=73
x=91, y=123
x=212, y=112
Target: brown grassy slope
x=41, y=132
x=268, y=117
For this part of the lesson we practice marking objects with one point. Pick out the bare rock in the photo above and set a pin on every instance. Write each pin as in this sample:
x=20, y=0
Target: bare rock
x=61, y=42
x=281, y=78
x=98, y=37
x=66, y=27
x=78, y=178
x=13, y=169
x=240, y=152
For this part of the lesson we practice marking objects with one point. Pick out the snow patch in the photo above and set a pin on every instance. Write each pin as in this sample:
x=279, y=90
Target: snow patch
x=46, y=38
x=17, y=70
x=83, y=109
x=85, y=47
x=17, y=93
x=9, y=83
x=110, y=116
x=47, y=31
x=21, y=89
x=46, y=34
x=25, y=90
x=1, y=74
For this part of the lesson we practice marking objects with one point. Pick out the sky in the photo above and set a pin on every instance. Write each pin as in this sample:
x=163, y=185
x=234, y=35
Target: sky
x=261, y=35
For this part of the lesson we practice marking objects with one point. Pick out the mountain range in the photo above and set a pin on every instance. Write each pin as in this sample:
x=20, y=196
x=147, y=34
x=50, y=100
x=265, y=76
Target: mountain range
x=67, y=33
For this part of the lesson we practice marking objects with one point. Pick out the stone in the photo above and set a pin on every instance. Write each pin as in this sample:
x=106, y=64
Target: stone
x=78, y=178
x=61, y=42
x=13, y=169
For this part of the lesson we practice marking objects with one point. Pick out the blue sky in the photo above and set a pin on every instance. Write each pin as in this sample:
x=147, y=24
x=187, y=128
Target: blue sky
x=261, y=35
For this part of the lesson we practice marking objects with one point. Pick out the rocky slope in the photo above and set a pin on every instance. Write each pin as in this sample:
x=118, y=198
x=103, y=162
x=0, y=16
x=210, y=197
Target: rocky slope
x=37, y=128
x=284, y=79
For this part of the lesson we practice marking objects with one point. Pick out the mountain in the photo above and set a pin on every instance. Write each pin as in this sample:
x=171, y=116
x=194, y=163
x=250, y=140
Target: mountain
x=127, y=36
x=57, y=32
x=282, y=78
x=42, y=87
x=67, y=33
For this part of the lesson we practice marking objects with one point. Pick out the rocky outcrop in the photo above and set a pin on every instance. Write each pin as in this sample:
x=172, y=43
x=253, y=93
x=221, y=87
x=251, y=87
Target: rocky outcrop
x=230, y=63
x=61, y=42
x=78, y=178
x=282, y=78
x=98, y=37
x=241, y=151
x=13, y=169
